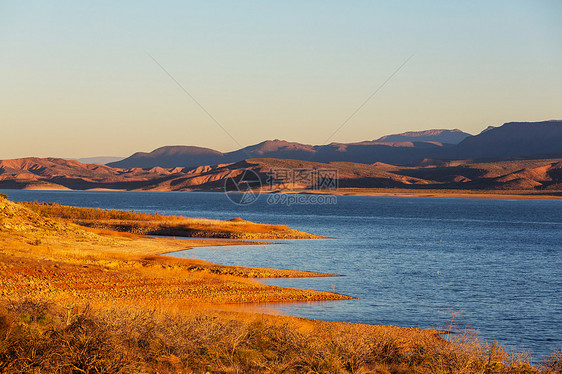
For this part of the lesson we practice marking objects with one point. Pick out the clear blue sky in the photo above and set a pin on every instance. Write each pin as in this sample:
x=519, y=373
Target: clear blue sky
x=77, y=79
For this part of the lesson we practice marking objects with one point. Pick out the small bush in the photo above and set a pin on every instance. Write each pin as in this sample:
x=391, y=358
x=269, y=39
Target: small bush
x=3, y=196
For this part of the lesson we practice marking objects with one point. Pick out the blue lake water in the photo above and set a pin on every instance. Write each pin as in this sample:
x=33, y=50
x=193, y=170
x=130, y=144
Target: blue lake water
x=408, y=261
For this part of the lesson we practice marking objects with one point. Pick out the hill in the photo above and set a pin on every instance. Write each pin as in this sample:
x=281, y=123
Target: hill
x=171, y=156
x=529, y=175
x=57, y=173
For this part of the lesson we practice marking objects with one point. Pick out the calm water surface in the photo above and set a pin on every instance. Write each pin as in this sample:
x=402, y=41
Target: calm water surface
x=409, y=261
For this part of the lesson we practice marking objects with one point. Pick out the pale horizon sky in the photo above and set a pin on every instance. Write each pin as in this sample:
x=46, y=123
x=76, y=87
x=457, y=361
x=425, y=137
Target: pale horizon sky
x=78, y=79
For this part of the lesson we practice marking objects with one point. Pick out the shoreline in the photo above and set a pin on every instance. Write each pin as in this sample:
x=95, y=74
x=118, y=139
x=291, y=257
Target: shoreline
x=54, y=257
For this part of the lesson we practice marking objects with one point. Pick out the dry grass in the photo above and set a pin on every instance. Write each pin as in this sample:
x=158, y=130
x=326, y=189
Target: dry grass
x=113, y=268
x=77, y=213
x=166, y=225
x=40, y=336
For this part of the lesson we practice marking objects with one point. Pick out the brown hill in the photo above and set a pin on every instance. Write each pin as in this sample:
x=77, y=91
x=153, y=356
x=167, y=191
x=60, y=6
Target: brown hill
x=55, y=172
x=515, y=175
x=36, y=173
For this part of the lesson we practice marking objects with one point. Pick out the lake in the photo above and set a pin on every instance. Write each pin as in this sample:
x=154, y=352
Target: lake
x=408, y=261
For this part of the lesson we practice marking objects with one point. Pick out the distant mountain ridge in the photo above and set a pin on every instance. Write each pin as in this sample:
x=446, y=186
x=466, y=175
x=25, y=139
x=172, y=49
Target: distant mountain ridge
x=511, y=140
x=100, y=160
x=435, y=135
x=514, y=139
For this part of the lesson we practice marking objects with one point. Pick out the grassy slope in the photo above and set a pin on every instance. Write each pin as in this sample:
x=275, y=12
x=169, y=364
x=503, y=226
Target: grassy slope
x=156, y=224
x=78, y=301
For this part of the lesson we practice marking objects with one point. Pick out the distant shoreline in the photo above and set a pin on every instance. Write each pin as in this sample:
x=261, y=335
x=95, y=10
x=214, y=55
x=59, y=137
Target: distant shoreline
x=457, y=194
x=374, y=192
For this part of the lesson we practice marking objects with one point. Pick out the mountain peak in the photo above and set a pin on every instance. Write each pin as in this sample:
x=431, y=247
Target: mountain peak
x=171, y=156
x=454, y=136
x=277, y=146
x=488, y=129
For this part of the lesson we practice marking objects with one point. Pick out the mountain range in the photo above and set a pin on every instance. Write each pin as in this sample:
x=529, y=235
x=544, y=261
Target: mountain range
x=511, y=140
x=52, y=173
x=514, y=156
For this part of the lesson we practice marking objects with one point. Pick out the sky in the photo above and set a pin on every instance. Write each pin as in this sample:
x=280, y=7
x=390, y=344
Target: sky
x=103, y=78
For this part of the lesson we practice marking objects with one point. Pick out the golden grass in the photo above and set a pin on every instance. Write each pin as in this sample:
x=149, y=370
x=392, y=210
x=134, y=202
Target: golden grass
x=166, y=225
x=45, y=336
x=73, y=213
